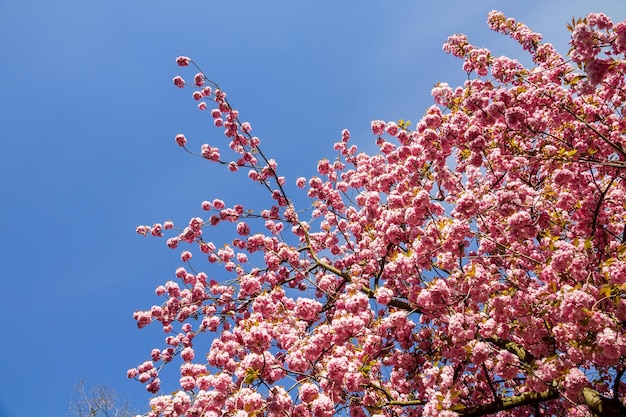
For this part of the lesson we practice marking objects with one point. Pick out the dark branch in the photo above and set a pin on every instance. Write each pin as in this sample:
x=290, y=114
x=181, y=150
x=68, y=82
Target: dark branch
x=516, y=349
x=399, y=304
x=602, y=406
x=618, y=379
x=508, y=403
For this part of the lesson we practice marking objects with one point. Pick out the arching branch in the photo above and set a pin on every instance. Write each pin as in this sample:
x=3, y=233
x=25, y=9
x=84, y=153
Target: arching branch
x=601, y=405
x=508, y=403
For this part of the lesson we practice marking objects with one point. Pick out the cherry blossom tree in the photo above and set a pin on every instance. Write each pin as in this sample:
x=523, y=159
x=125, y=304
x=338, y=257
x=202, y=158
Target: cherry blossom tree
x=474, y=265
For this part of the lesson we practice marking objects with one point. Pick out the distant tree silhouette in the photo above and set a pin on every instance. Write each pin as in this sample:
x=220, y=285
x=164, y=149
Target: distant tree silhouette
x=99, y=401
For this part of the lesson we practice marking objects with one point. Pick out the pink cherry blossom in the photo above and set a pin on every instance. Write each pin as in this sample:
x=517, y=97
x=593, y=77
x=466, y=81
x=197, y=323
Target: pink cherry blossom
x=178, y=81
x=181, y=140
x=182, y=61
x=384, y=295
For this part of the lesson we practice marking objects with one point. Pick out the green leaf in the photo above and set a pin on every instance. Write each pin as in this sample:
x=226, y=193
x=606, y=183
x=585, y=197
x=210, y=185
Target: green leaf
x=251, y=376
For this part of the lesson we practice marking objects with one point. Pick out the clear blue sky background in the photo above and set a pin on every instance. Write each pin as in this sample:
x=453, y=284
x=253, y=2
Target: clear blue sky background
x=88, y=114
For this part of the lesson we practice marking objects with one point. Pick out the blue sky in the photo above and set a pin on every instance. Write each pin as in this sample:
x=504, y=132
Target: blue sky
x=88, y=114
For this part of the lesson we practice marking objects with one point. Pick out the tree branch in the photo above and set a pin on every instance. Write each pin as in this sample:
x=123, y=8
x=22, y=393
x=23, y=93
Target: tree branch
x=602, y=406
x=508, y=403
x=514, y=348
x=597, y=403
x=618, y=378
x=399, y=304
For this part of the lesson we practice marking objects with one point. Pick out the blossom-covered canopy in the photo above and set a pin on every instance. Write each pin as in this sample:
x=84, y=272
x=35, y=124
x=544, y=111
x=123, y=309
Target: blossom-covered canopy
x=475, y=264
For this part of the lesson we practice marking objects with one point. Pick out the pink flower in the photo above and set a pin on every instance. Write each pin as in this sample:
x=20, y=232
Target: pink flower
x=337, y=368
x=218, y=204
x=243, y=229
x=516, y=117
x=322, y=406
x=182, y=61
x=146, y=366
x=178, y=81
x=187, y=354
x=154, y=386
x=185, y=256
x=202, y=106
x=599, y=20
x=383, y=295
x=187, y=383
x=392, y=129
x=279, y=401
x=198, y=79
x=308, y=392
x=181, y=140
x=172, y=288
x=157, y=230
x=249, y=285
x=307, y=309
x=574, y=382
x=620, y=40
x=507, y=365
x=156, y=355
x=196, y=223
x=378, y=127
x=609, y=345
x=597, y=69
x=457, y=45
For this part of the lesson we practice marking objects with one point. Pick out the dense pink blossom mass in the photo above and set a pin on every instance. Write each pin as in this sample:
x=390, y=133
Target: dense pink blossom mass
x=474, y=265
